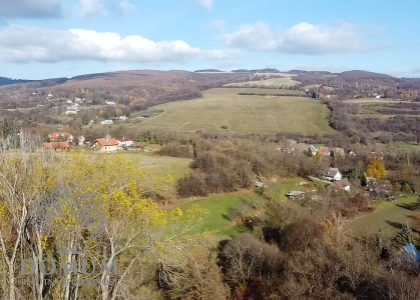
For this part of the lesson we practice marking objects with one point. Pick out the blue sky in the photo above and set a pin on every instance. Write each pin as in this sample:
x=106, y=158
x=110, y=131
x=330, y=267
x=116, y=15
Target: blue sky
x=64, y=38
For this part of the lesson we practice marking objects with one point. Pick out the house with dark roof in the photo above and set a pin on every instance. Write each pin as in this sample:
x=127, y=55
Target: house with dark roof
x=332, y=174
x=295, y=195
x=343, y=184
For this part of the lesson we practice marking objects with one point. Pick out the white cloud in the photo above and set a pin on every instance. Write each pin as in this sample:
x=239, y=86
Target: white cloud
x=90, y=8
x=207, y=4
x=32, y=9
x=303, y=38
x=219, y=24
x=25, y=44
x=126, y=6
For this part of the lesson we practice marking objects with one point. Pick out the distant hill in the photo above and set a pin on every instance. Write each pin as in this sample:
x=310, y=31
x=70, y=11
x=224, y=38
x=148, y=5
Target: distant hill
x=241, y=71
x=208, y=71
x=7, y=81
x=266, y=71
x=140, y=88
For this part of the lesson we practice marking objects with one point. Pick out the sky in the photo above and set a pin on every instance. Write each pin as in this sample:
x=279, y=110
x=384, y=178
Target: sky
x=64, y=38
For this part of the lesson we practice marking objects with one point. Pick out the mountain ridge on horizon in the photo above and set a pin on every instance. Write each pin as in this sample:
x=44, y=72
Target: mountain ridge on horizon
x=9, y=81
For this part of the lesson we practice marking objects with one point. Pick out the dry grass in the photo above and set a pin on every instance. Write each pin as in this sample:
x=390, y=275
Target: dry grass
x=371, y=100
x=388, y=217
x=243, y=114
x=271, y=91
x=273, y=83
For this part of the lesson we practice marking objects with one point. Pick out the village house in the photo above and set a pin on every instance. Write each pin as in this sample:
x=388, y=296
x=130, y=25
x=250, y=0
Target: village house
x=324, y=151
x=339, y=152
x=376, y=155
x=332, y=174
x=105, y=145
x=60, y=146
x=61, y=136
x=125, y=142
x=313, y=150
x=342, y=184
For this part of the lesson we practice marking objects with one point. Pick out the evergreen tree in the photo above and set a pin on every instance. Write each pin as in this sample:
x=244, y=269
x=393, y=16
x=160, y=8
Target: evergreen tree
x=405, y=236
x=407, y=189
x=379, y=239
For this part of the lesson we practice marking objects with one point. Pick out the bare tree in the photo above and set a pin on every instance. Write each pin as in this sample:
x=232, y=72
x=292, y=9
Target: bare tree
x=68, y=213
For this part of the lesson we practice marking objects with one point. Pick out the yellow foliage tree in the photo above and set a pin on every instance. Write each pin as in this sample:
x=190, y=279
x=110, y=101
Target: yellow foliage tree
x=376, y=168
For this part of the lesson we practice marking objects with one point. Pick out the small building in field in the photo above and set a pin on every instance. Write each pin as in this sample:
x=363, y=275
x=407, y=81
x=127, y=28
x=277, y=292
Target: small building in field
x=61, y=136
x=60, y=146
x=295, y=195
x=342, y=184
x=332, y=174
x=105, y=145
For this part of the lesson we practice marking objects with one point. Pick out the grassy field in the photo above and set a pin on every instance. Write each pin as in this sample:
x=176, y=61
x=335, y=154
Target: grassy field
x=219, y=207
x=243, y=114
x=278, y=190
x=271, y=91
x=161, y=165
x=388, y=217
x=273, y=83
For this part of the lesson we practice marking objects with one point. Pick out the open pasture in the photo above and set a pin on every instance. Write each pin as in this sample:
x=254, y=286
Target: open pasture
x=243, y=114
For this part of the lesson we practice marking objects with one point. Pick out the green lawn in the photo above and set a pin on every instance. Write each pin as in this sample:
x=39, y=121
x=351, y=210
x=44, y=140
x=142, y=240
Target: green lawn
x=278, y=190
x=242, y=114
x=388, y=216
x=219, y=208
x=161, y=165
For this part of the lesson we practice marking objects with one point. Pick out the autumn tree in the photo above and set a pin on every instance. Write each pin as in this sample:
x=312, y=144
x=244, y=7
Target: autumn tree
x=376, y=168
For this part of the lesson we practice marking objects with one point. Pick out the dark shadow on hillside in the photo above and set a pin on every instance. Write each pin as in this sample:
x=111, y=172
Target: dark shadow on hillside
x=412, y=206
x=394, y=224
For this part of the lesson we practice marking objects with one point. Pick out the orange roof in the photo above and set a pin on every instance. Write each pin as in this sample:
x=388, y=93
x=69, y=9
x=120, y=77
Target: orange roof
x=57, y=145
x=106, y=142
x=324, y=150
x=56, y=135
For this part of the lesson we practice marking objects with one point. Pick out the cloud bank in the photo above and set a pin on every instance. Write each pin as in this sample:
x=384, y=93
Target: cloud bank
x=303, y=38
x=24, y=44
